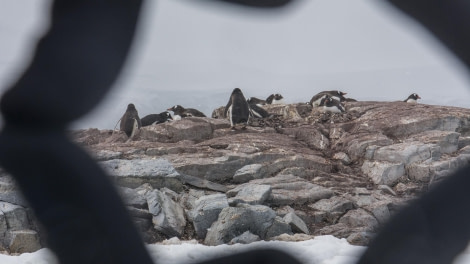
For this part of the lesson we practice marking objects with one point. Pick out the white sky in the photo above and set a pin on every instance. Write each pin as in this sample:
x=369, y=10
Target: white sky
x=194, y=54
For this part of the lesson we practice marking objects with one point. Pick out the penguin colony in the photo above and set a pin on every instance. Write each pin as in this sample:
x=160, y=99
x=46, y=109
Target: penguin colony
x=238, y=110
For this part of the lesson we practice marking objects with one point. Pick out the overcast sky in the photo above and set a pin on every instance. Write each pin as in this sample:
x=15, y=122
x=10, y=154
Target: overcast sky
x=193, y=53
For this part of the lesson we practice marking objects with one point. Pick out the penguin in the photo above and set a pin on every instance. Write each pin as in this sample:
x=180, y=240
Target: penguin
x=257, y=111
x=337, y=95
x=274, y=99
x=156, y=118
x=413, y=98
x=237, y=109
x=256, y=101
x=182, y=112
x=332, y=105
x=130, y=121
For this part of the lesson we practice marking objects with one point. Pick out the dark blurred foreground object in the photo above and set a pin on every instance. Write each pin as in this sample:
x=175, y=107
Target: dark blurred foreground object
x=75, y=63
x=436, y=227
x=74, y=66
x=259, y=3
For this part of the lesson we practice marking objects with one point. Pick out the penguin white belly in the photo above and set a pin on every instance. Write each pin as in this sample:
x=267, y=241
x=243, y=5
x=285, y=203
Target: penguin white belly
x=176, y=117
x=412, y=101
x=318, y=101
x=277, y=101
x=229, y=112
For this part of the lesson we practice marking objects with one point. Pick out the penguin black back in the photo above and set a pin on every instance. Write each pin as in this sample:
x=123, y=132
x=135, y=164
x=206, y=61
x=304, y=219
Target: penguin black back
x=274, y=99
x=413, y=98
x=156, y=118
x=237, y=108
x=129, y=120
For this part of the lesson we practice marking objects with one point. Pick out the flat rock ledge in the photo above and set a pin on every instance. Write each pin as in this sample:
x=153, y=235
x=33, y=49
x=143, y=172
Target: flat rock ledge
x=292, y=176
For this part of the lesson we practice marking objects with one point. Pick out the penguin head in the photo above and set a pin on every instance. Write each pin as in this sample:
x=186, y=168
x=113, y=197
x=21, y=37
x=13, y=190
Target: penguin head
x=130, y=107
x=176, y=108
x=236, y=91
x=167, y=115
x=413, y=98
x=278, y=97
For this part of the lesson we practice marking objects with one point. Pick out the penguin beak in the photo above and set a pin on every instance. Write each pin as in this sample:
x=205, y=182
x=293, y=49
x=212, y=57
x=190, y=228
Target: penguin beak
x=419, y=97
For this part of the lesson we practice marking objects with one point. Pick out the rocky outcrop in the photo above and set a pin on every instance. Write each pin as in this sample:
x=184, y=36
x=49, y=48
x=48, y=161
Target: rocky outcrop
x=296, y=174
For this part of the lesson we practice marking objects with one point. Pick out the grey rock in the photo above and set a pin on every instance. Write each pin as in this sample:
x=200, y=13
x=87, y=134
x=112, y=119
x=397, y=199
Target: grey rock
x=234, y=221
x=249, y=193
x=3, y=226
x=133, y=173
x=360, y=238
x=380, y=211
x=297, y=225
x=289, y=189
x=359, y=218
x=248, y=172
x=278, y=228
x=201, y=183
x=104, y=154
x=13, y=197
x=132, y=198
x=335, y=204
x=407, y=153
x=245, y=238
x=448, y=141
x=463, y=142
x=194, y=129
x=383, y=172
x=356, y=145
x=343, y=157
x=168, y=216
x=16, y=216
x=206, y=211
x=23, y=241
x=434, y=171
x=312, y=136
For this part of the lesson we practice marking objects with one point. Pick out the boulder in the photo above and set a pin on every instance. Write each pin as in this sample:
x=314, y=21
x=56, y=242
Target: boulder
x=249, y=194
x=234, y=221
x=297, y=225
x=206, y=211
x=168, y=216
x=23, y=241
x=383, y=172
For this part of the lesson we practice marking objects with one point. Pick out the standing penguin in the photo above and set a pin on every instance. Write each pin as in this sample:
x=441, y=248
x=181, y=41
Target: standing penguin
x=130, y=121
x=237, y=109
